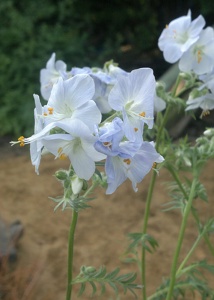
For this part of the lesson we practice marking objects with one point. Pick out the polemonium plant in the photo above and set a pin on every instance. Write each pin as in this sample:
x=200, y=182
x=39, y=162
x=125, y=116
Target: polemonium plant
x=111, y=126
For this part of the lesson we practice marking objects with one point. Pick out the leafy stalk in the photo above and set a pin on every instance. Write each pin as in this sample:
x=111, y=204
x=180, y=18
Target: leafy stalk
x=94, y=276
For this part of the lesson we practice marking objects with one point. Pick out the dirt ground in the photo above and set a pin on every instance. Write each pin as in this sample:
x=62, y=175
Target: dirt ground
x=40, y=270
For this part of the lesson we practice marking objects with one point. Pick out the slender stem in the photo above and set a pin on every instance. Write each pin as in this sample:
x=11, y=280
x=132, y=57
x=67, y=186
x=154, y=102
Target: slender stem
x=189, y=254
x=178, y=181
x=70, y=254
x=180, y=239
x=145, y=222
x=148, y=204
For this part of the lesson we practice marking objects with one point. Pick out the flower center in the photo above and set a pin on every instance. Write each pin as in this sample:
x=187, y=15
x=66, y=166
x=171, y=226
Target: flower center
x=61, y=155
x=127, y=161
x=21, y=140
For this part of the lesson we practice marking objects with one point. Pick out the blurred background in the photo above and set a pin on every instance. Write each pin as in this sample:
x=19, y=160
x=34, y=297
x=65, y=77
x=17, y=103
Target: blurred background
x=81, y=33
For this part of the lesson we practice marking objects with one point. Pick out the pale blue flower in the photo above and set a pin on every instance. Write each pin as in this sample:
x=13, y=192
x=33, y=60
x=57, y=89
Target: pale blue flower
x=109, y=137
x=119, y=168
x=133, y=95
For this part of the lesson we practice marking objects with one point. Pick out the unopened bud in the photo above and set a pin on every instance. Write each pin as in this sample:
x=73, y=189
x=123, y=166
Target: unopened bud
x=61, y=175
x=85, y=185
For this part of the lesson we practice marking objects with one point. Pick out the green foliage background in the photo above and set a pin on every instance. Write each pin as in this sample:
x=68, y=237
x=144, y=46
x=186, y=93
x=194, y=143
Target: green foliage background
x=80, y=33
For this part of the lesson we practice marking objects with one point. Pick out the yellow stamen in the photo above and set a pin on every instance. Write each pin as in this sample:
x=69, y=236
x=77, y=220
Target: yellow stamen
x=50, y=110
x=135, y=129
x=199, y=56
x=166, y=26
x=45, y=114
x=63, y=156
x=154, y=165
x=21, y=140
x=142, y=114
x=204, y=113
x=127, y=161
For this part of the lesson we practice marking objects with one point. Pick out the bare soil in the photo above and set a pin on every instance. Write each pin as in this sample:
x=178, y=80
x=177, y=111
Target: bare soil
x=41, y=267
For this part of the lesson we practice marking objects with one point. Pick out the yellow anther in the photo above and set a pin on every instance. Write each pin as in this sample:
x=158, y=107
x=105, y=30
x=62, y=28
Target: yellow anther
x=135, y=129
x=154, y=165
x=21, y=140
x=63, y=156
x=142, y=114
x=199, y=56
x=106, y=143
x=127, y=161
x=45, y=114
x=50, y=110
x=204, y=113
x=166, y=26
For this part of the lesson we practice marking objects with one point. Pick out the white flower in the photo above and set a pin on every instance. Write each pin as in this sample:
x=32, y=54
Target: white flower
x=36, y=146
x=199, y=57
x=51, y=74
x=77, y=144
x=71, y=99
x=179, y=35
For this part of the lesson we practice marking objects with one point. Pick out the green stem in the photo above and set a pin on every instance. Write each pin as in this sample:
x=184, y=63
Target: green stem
x=161, y=292
x=145, y=222
x=178, y=181
x=188, y=255
x=180, y=239
x=148, y=204
x=70, y=254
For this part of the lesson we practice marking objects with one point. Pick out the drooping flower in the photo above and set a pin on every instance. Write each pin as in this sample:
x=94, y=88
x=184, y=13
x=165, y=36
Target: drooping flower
x=179, y=35
x=199, y=57
x=133, y=95
x=119, y=168
x=36, y=146
x=205, y=102
x=77, y=144
x=51, y=74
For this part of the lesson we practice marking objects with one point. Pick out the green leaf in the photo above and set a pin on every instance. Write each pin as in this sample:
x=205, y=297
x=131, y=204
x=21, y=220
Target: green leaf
x=100, y=276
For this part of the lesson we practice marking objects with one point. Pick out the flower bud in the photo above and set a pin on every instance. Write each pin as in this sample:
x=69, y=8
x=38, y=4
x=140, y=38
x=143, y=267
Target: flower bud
x=61, y=174
x=209, y=132
x=76, y=184
x=89, y=270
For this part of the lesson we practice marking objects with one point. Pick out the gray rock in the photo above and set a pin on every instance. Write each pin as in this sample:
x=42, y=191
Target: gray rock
x=9, y=236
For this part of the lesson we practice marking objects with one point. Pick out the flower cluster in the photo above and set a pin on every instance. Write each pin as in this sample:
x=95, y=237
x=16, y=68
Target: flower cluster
x=95, y=114
x=189, y=43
